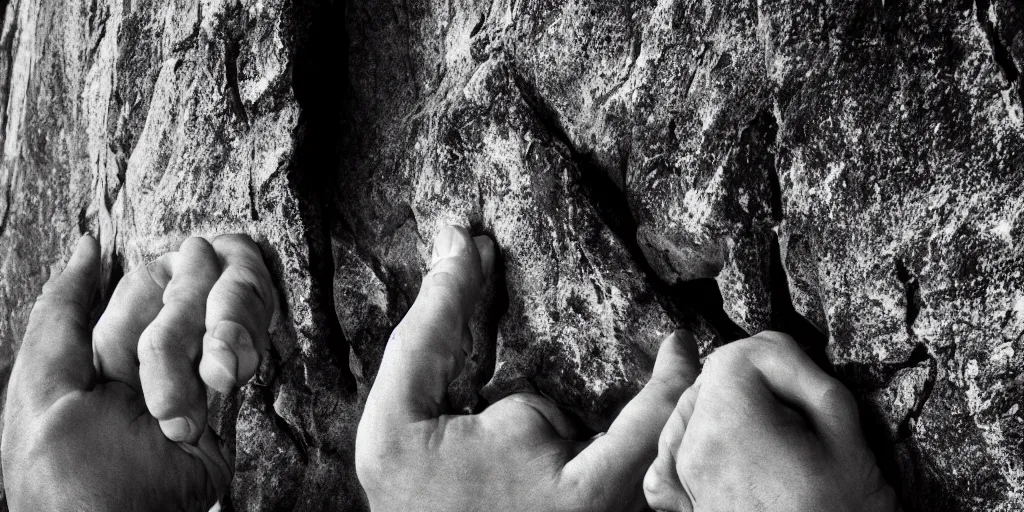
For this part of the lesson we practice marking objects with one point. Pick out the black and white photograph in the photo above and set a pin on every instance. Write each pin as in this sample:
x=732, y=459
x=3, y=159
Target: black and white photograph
x=512, y=255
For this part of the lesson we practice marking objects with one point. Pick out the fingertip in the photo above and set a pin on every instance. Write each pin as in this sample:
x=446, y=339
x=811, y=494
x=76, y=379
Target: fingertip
x=180, y=430
x=654, y=487
x=686, y=337
x=78, y=279
x=777, y=338
x=218, y=369
x=662, y=487
x=87, y=243
x=451, y=241
x=229, y=356
x=197, y=245
x=678, y=357
x=159, y=270
x=85, y=256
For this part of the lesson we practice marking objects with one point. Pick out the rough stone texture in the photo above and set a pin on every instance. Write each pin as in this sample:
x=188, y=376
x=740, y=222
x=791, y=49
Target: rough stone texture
x=849, y=172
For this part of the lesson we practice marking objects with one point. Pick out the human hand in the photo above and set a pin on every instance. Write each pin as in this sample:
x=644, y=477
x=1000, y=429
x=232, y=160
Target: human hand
x=519, y=453
x=116, y=419
x=763, y=428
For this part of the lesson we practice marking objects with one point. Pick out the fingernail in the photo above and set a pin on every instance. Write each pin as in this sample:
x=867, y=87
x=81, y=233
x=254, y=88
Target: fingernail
x=219, y=367
x=178, y=429
x=228, y=332
x=219, y=363
x=447, y=244
x=240, y=356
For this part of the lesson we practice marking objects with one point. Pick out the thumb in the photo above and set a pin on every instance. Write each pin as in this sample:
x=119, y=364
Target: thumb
x=56, y=354
x=428, y=348
x=631, y=444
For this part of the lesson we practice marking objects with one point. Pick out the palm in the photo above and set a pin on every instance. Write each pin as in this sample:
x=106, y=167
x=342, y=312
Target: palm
x=110, y=440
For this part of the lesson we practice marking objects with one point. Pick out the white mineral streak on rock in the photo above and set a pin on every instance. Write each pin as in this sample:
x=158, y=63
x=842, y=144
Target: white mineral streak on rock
x=1002, y=353
x=7, y=175
x=1002, y=230
x=256, y=7
x=264, y=68
x=146, y=174
x=697, y=209
x=1014, y=109
x=96, y=97
x=25, y=55
x=213, y=14
x=458, y=42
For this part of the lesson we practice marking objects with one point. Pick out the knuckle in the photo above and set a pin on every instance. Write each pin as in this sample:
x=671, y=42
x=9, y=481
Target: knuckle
x=579, y=493
x=104, y=336
x=666, y=440
x=775, y=339
x=667, y=387
x=196, y=245
x=239, y=240
x=725, y=360
x=692, y=462
x=652, y=483
x=52, y=312
x=376, y=462
x=157, y=339
x=247, y=281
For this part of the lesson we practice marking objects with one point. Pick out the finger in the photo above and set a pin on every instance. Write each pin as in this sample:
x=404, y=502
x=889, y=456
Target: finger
x=427, y=350
x=169, y=348
x=794, y=377
x=662, y=488
x=218, y=466
x=238, y=314
x=509, y=409
x=662, y=485
x=55, y=356
x=136, y=302
x=630, y=446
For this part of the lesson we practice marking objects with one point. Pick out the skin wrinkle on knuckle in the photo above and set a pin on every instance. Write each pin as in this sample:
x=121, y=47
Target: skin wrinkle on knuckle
x=723, y=362
x=198, y=245
x=774, y=337
x=448, y=280
x=55, y=303
x=684, y=421
x=441, y=303
x=187, y=300
x=667, y=387
x=246, y=282
x=163, y=338
x=238, y=244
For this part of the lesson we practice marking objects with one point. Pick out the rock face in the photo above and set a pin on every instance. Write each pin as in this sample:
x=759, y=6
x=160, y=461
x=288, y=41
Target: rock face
x=852, y=173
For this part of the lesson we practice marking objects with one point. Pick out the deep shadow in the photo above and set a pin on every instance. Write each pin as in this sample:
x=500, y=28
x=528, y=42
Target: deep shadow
x=321, y=86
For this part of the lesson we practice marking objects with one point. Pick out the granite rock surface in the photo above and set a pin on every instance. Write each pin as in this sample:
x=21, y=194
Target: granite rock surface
x=852, y=173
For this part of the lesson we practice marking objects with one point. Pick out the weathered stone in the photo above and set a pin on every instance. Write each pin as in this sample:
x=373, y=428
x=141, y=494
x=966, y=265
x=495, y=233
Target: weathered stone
x=848, y=172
